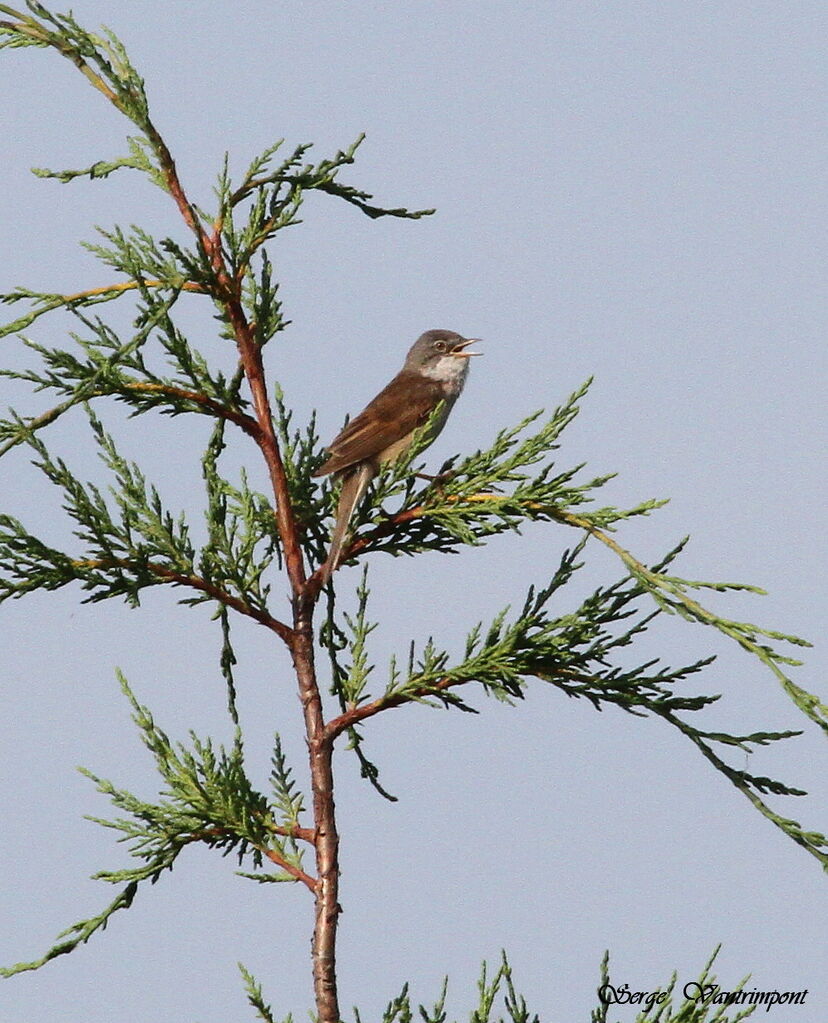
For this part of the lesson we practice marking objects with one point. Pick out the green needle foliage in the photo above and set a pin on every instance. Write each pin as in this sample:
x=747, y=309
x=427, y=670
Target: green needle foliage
x=498, y=1001
x=126, y=539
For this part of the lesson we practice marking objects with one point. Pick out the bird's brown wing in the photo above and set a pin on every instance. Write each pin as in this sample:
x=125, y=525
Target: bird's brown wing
x=396, y=412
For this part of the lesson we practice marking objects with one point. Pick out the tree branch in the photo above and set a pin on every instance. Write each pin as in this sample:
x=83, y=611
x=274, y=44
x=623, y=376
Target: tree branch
x=240, y=419
x=197, y=583
x=336, y=726
x=216, y=832
x=289, y=868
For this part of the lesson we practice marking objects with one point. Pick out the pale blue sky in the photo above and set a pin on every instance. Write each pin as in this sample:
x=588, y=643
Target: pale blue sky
x=634, y=191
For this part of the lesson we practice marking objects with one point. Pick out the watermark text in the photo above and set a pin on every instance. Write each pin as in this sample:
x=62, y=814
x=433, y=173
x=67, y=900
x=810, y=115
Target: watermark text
x=708, y=994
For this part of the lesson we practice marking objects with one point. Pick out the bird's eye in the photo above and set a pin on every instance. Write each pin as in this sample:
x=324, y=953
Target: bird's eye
x=439, y=346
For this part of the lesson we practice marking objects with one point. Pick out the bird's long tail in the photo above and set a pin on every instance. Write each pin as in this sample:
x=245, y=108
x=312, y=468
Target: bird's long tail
x=353, y=487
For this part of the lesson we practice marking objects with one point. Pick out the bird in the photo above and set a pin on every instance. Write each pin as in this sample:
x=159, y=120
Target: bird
x=434, y=371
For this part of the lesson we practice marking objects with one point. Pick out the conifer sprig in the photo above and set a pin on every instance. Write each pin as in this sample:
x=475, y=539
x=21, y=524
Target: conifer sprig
x=272, y=185
x=494, y=490
x=242, y=543
x=255, y=997
x=348, y=680
x=138, y=543
x=207, y=798
x=582, y=654
x=81, y=380
x=498, y=1000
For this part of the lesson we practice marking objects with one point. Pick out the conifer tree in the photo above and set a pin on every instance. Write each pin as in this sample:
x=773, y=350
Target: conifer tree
x=126, y=540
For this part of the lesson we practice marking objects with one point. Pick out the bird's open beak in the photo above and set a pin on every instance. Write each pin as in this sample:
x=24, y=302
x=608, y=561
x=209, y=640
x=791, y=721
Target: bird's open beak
x=460, y=354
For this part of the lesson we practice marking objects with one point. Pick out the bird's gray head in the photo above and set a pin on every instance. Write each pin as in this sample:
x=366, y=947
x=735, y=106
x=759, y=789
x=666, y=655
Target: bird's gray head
x=440, y=354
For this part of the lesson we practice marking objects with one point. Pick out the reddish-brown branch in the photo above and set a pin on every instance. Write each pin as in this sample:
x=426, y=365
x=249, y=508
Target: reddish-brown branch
x=197, y=583
x=244, y=422
x=227, y=291
x=251, y=357
x=303, y=834
x=360, y=543
x=289, y=868
x=386, y=528
x=207, y=834
x=336, y=726
x=174, y=185
x=320, y=751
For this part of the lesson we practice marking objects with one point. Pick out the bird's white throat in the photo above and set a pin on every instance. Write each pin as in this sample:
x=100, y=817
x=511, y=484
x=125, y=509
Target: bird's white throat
x=449, y=370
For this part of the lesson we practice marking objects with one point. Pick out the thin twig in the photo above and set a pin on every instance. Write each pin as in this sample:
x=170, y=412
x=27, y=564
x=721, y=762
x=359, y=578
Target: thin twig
x=336, y=726
x=289, y=868
x=197, y=583
x=243, y=421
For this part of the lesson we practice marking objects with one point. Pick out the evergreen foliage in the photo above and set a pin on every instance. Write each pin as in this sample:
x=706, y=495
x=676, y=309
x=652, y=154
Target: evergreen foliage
x=126, y=539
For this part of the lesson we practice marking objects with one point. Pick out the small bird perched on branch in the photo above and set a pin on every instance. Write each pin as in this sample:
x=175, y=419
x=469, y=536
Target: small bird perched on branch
x=435, y=371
